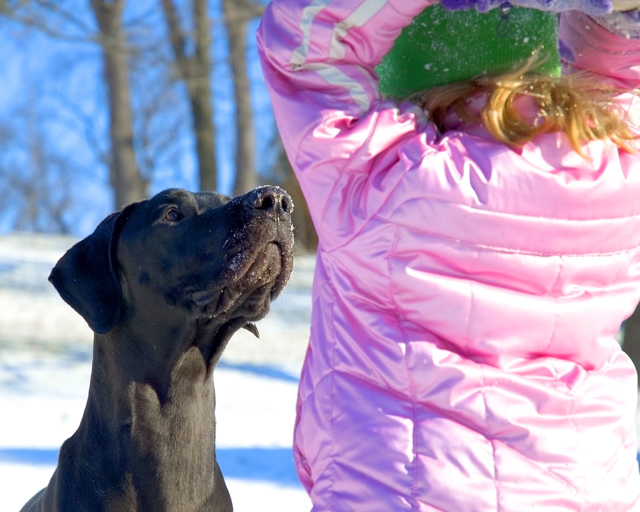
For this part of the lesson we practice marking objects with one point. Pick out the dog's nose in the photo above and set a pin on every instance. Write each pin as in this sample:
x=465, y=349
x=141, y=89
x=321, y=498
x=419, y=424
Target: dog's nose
x=271, y=200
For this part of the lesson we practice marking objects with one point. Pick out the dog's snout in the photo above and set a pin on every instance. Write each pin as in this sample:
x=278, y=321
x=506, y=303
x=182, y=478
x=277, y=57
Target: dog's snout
x=273, y=201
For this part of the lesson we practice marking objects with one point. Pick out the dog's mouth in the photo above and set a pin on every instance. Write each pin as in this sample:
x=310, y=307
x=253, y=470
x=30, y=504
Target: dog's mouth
x=251, y=286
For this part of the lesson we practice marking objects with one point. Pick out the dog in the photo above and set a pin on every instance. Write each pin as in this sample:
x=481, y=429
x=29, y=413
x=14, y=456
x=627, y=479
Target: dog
x=163, y=284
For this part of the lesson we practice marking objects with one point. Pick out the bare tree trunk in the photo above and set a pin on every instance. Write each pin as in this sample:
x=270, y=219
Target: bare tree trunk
x=201, y=104
x=128, y=184
x=237, y=14
x=196, y=72
x=281, y=173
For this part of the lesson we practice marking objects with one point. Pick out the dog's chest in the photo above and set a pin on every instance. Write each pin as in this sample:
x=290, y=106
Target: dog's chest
x=176, y=434
x=184, y=408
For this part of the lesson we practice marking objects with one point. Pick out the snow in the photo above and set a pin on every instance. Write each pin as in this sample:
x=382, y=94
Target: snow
x=45, y=364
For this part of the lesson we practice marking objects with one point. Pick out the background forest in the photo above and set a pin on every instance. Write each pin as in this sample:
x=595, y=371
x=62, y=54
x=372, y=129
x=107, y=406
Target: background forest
x=107, y=102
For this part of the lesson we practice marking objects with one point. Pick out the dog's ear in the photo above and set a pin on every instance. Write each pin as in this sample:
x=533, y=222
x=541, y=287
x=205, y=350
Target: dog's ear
x=86, y=278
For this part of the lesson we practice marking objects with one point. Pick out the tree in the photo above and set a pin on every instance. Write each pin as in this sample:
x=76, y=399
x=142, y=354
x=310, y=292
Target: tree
x=137, y=126
x=143, y=121
x=237, y=14
x=282, y=174
x=128, y=185
x=195, y=70
x=35, y=180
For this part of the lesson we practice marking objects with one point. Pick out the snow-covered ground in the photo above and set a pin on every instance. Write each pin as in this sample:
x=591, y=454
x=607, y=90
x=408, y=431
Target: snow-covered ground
x=45, y=362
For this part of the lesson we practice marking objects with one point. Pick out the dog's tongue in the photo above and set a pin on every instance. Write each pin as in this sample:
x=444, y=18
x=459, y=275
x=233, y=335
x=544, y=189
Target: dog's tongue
x=252, y=329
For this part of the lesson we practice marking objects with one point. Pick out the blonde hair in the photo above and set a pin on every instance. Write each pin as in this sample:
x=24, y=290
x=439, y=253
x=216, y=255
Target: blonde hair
x=574, y=104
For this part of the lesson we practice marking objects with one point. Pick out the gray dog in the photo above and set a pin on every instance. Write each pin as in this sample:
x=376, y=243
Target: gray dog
x=163, y=284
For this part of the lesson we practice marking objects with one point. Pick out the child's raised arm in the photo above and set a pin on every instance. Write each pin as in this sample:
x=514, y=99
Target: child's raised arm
x=318, y=60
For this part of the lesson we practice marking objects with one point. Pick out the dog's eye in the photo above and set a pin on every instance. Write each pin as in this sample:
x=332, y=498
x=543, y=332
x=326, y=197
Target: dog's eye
x=173, y=216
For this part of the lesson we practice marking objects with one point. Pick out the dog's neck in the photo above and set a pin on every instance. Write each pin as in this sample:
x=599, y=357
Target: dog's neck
x=162, y=425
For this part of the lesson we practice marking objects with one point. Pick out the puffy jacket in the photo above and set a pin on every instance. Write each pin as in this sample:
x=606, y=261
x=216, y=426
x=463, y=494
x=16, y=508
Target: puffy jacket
x=467, y=296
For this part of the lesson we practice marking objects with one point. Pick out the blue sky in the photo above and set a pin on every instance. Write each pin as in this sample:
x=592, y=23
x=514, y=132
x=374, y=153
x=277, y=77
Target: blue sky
x=54, y=78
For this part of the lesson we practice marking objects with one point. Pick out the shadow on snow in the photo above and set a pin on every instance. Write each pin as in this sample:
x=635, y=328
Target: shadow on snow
x=260, y=370
x=273, y=465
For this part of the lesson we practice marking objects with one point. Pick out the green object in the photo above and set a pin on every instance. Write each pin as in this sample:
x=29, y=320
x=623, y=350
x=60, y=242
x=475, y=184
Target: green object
x=442, y=47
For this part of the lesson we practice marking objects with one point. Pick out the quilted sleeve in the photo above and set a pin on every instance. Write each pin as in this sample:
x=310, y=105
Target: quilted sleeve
x=318, y=59
x=608, y=46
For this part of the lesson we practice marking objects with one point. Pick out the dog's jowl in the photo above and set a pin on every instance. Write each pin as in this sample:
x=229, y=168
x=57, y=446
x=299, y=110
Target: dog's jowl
x=164, y=284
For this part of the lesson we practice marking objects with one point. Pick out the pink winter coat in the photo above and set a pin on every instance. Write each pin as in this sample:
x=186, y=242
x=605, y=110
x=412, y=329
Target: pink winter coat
x=467, y=296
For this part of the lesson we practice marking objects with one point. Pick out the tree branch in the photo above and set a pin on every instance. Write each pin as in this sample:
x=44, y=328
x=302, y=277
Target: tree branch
x=176, y=38
x=243, y=11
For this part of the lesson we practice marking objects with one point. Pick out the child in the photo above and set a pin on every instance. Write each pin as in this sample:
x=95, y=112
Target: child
x=474, y=266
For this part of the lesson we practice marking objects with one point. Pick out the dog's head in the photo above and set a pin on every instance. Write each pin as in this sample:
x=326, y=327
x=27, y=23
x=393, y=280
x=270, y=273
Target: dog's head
x=182, y=255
